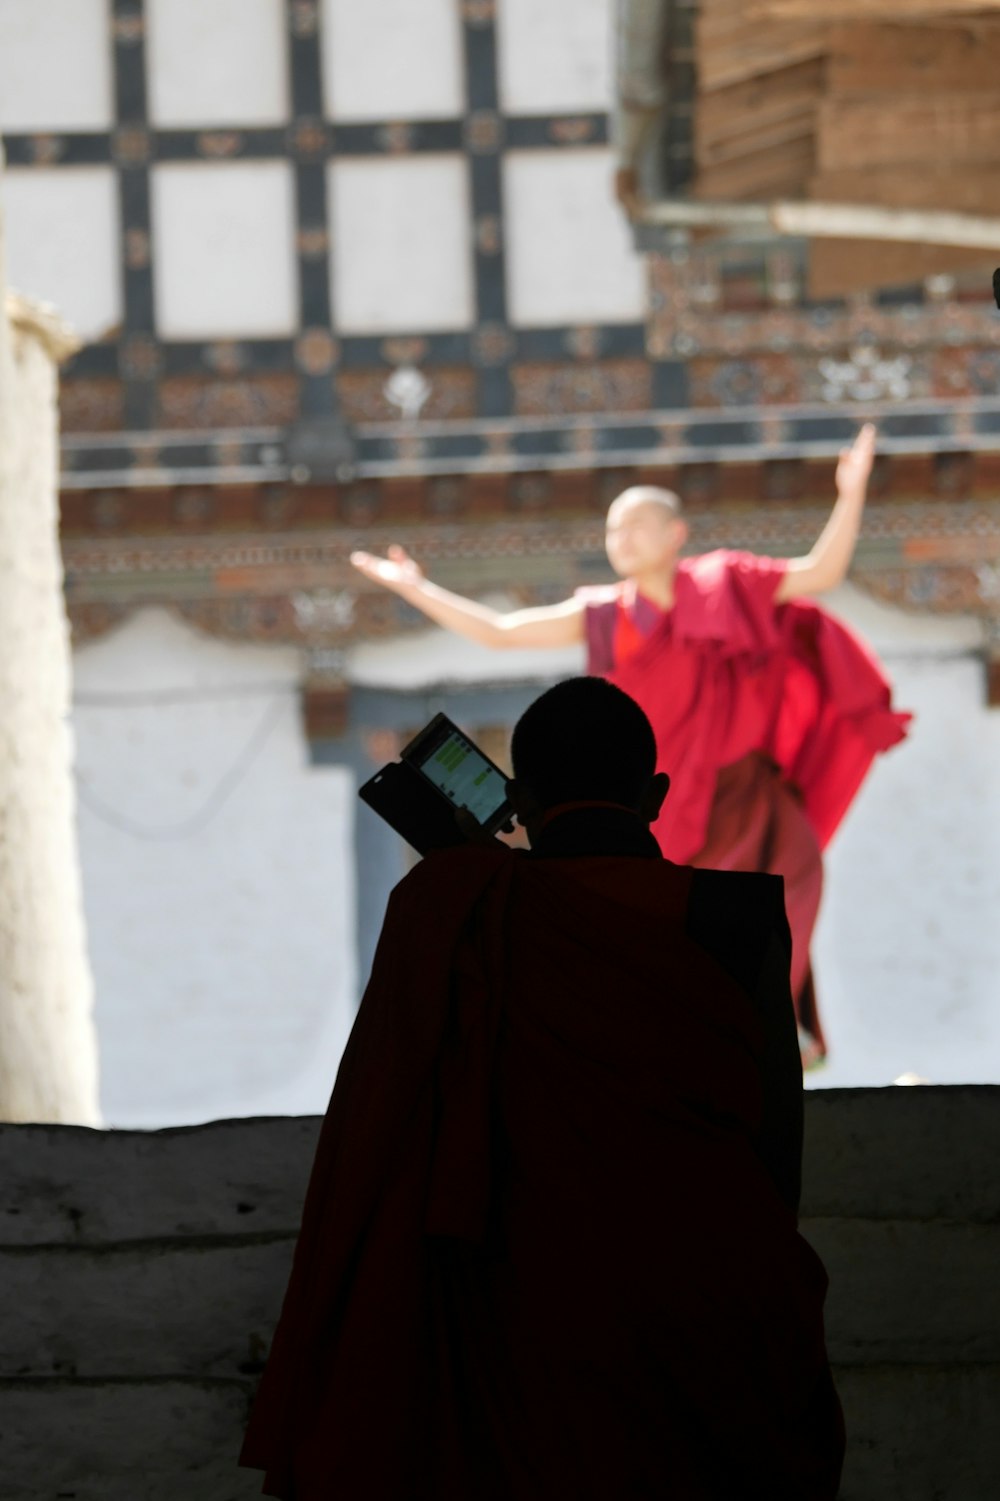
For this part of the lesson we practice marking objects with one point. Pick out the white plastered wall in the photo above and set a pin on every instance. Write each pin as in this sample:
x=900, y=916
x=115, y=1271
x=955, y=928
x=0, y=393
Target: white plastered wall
x=908, y=947
x=217, y=867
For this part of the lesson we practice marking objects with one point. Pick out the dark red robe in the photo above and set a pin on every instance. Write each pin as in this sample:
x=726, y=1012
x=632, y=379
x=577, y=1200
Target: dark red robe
x=767, y=718
x=541, y=1257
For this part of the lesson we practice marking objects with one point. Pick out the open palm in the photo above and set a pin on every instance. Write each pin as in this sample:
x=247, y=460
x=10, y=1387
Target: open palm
x=395, y=571
x=856, y=462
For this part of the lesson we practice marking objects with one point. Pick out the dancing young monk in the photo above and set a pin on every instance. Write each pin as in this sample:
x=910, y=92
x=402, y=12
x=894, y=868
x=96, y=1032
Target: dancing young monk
x=767, y=712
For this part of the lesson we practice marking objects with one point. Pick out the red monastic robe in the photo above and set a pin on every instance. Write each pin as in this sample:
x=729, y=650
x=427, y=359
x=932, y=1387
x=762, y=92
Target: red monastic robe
x=767, y=719
x=540, y=1257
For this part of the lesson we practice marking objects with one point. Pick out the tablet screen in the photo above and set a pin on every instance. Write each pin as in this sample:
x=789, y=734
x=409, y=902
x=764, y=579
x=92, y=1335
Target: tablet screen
x=458, y=770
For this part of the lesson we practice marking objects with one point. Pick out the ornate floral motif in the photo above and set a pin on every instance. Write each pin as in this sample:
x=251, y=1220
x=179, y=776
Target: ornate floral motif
x=866, y=376
x=193, y=506
x=137, y=249
x=46, y=149
x=304, y=18
x=407, y=390
x=88, y=621
x=404, y=351
x=315, y=351
x=483, y=132
x=230, y=453
x=531, y=492
x=584, y=342
x=570, y=132
x=688, y=286
x=363, y=396
x=359, y=505
x=478, y=12
x=226, y=356
x=609, y=386
x=276, y=505
x=253, y=401
x=131, y=146
x=323, y=612
x=488, y=234
x=492, y=344
x=446, y=496
x=91, y=404
x=396, y=138
x=309, y=139
x=139, y=357
x=108, y=509
x=220, y=144
x=312, y=242
x=128, y=28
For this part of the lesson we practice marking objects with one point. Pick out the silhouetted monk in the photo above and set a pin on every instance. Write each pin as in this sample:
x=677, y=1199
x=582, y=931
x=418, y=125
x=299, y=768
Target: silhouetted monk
x=767, y=711
x=549, y=1247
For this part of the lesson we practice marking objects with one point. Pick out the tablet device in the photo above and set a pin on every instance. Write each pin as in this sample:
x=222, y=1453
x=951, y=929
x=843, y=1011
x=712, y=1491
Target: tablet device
x=440, y=770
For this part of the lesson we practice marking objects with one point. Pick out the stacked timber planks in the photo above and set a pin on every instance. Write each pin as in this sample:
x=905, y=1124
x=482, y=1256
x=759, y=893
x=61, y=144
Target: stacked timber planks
x=892, y=103
x=760, y=85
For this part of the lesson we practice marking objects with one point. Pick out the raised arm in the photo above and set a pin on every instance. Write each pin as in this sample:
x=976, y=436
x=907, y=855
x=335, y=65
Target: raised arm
x=551, y=625
x=826, y=565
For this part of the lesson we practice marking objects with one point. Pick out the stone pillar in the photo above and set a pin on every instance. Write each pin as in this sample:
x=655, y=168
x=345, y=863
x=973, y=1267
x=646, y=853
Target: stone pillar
x=48, y=1048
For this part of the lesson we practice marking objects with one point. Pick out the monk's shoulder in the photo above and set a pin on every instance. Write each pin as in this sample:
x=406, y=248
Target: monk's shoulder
x=593, y=596
x=734, y=915
x=710, y=570
x=450, y=870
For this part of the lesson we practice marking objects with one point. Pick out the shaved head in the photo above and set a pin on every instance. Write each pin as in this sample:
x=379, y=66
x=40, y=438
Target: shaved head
x=649, y=495
x=645, y=532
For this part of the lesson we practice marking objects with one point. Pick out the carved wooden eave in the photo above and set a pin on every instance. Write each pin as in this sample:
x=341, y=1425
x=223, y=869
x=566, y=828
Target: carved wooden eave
x=294, y=585
x=868, y=128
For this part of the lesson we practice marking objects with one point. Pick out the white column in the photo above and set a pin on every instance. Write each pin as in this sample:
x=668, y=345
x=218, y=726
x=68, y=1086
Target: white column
x=48, y=1049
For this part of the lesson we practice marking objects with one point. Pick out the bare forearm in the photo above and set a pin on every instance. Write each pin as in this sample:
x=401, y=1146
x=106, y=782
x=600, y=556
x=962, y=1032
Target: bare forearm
x=827, y=564
x=835, y=545
x=465, y=616
x=546, y=626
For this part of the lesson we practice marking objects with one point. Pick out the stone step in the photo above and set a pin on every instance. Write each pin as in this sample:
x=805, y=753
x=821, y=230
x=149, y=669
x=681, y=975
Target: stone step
x=921, y=1433
x=870, y=1153
x=209, y=1309
x=65, y=1184
x=125, y=1441
x=917, y=1434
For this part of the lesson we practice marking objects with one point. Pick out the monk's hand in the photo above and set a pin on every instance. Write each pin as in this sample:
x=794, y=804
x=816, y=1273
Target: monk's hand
x=396, y=571
x=471, y=828
x=855, y=464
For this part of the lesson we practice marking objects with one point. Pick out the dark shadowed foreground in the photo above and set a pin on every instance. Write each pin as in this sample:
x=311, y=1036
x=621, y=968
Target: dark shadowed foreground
x=144, y=1271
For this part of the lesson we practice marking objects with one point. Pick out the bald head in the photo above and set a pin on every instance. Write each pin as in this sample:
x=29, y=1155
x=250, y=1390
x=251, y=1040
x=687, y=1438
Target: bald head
x=666, y=501
x=645, y=532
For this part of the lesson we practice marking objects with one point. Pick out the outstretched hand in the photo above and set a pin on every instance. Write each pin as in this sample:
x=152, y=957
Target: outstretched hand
x=395, y=571
x=856, y=463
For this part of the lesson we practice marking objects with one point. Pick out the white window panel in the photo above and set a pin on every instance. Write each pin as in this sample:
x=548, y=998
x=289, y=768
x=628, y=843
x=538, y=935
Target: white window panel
x=392, y=59
x=555, y=56
x=401, y=254
x=217, y=62
x=55, y=65
x=569, y=251
x=225, y=266
x=62, y=232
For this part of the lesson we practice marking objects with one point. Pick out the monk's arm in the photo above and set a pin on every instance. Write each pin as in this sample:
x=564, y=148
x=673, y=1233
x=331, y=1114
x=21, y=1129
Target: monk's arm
x=827, y=564
x=549, y=625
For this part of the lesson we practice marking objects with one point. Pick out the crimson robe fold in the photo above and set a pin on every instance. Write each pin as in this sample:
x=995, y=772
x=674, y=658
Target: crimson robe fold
x=541, y=1256
x=767, y=718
